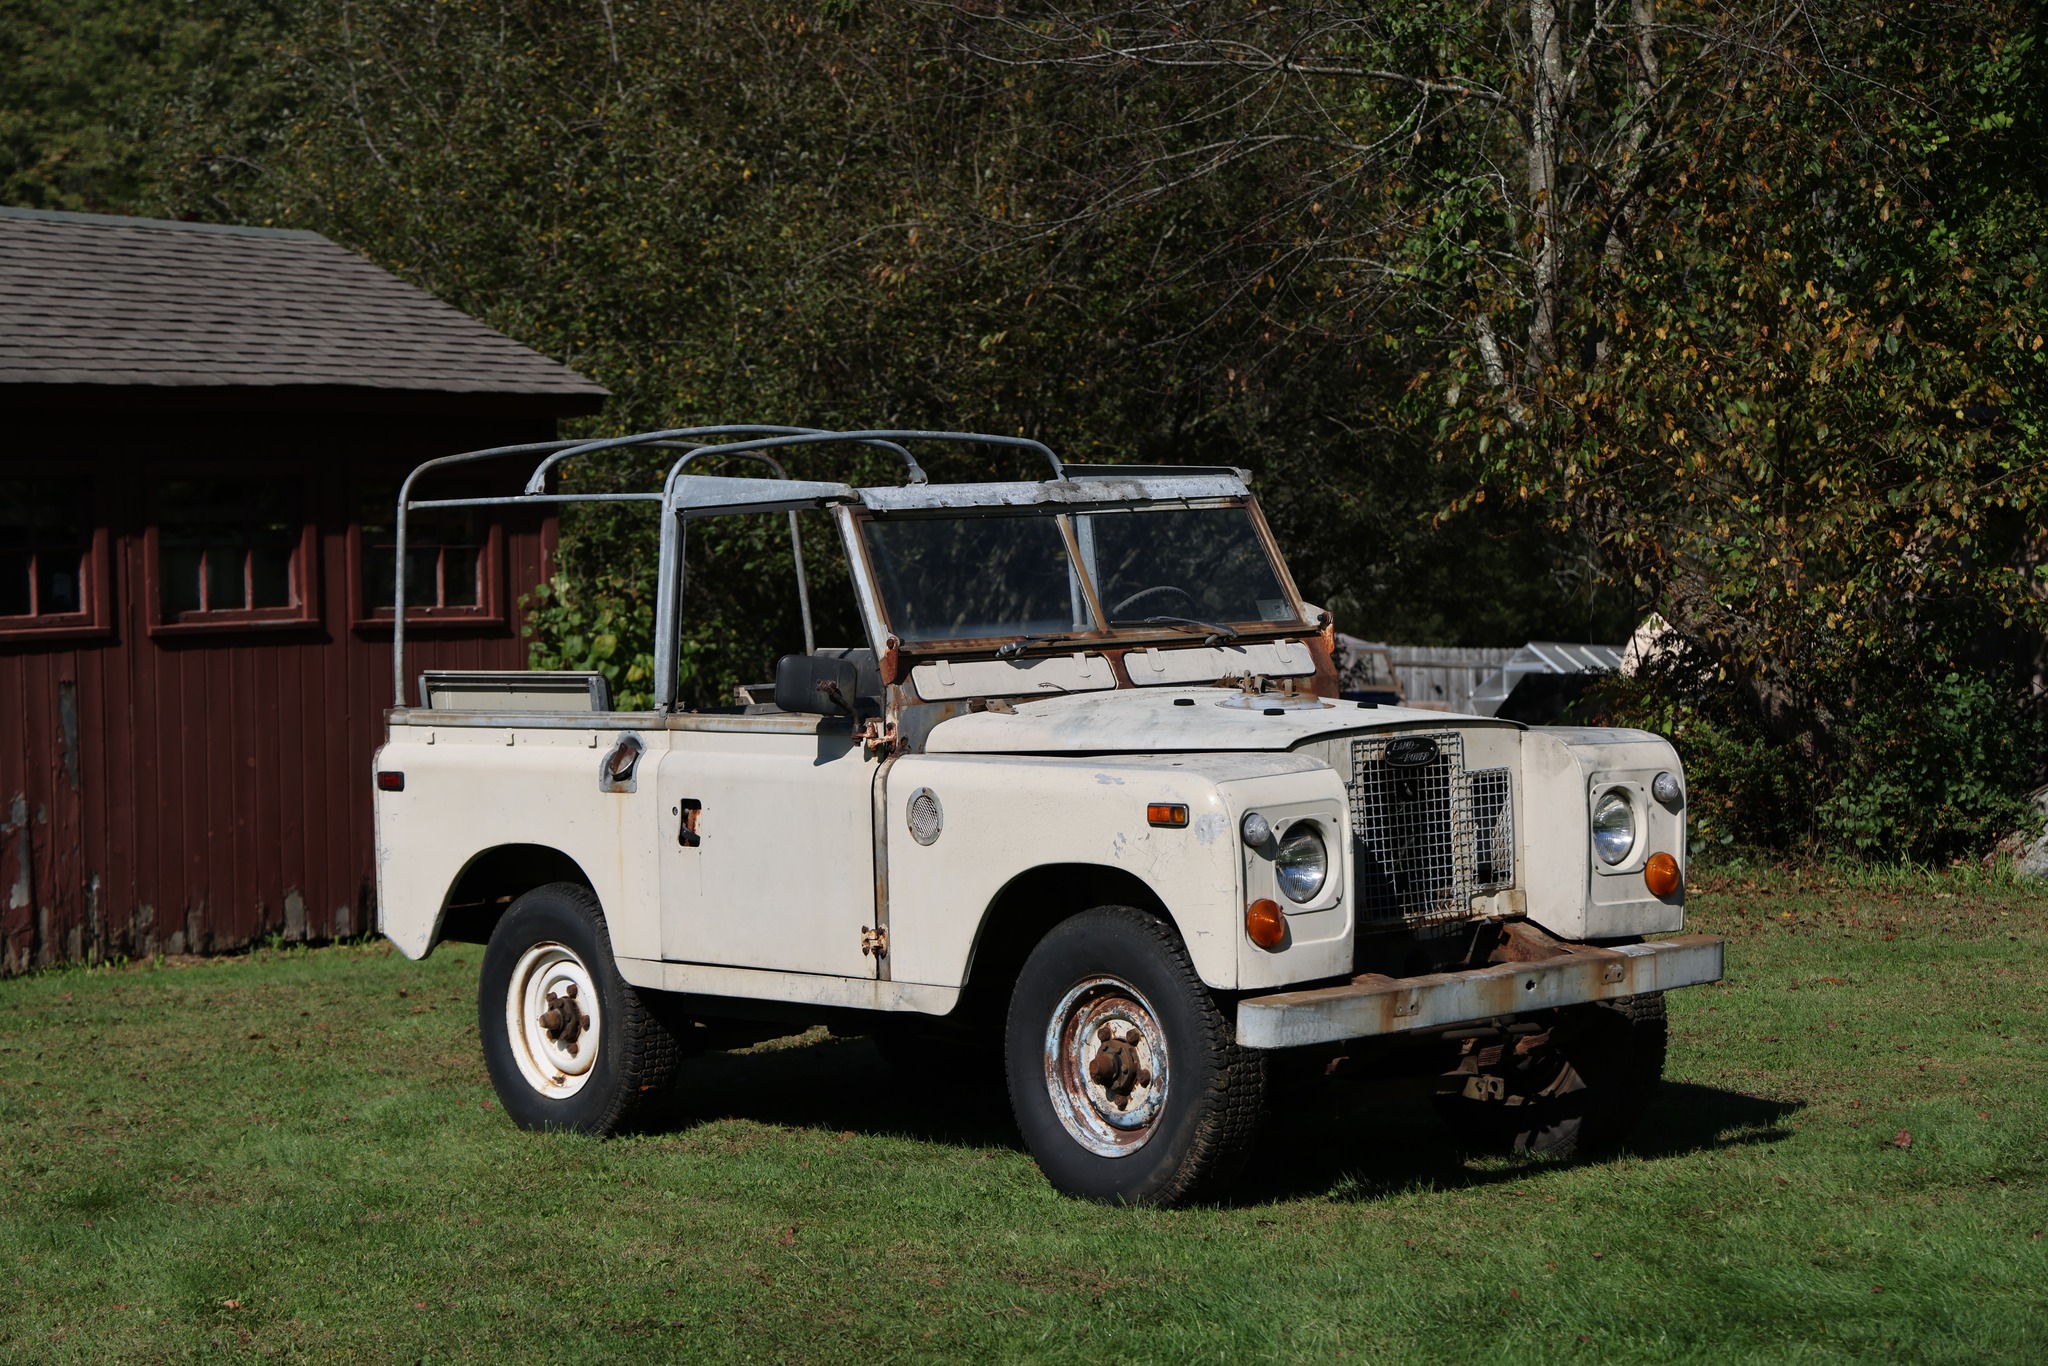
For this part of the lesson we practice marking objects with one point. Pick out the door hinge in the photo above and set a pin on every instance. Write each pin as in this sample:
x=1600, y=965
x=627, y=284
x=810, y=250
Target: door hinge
x=874, y=942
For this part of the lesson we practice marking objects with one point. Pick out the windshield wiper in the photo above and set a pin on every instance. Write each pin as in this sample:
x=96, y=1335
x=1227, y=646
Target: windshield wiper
x=1217, y=635
x=1011, y=649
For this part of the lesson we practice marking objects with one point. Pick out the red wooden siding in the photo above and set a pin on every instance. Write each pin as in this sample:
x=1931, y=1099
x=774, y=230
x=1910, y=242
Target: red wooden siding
x=186, y=793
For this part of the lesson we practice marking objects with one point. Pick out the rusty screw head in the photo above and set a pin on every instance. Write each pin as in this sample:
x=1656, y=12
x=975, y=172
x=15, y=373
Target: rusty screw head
x=1134, y=1037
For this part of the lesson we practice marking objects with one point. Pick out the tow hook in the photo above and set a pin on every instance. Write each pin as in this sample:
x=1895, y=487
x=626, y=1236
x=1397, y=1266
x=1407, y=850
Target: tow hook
x=1116, y=1068
x=564, y=1020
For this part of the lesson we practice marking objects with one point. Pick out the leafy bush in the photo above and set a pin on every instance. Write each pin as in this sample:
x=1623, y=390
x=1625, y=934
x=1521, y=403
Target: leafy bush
x=607, y=625
x=1919, y=771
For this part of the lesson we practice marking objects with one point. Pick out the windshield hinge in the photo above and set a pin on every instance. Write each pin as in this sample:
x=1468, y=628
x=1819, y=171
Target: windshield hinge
x=874, y=943
x=877, y=737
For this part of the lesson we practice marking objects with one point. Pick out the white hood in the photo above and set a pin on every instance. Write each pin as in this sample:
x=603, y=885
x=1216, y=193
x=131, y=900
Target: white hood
x=1155, y=721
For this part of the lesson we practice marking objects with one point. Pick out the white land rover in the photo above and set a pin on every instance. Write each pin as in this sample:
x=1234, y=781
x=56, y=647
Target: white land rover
x=1088, y=792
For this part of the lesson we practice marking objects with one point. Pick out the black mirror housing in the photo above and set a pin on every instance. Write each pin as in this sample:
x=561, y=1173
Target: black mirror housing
x=818, y=685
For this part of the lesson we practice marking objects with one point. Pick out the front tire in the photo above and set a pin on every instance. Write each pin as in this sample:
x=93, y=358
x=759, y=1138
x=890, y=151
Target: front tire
x=1126, y=1078
x=568, y=1044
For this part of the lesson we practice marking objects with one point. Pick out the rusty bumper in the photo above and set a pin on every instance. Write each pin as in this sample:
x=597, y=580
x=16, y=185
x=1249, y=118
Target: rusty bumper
x=1375, y=1004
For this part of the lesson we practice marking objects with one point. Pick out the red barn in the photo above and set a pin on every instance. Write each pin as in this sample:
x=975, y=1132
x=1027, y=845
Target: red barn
x=209, y=424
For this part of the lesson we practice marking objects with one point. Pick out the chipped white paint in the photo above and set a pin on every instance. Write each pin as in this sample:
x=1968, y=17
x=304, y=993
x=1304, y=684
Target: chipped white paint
x=943, y=680
x=1207, y=663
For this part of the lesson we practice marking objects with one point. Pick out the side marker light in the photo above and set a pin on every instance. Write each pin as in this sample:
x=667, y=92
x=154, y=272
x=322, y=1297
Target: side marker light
x=1171, y=815
x=1660, y=875
x=390, y=780
x=1264, y=925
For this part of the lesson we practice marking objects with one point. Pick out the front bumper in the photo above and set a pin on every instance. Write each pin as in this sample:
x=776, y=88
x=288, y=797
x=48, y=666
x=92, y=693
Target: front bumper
x=1375, y=1004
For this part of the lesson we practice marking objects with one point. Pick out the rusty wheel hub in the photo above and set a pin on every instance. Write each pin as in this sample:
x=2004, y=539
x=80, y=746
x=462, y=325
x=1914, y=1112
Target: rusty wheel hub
x=563, y=1020
x=552, y=1019
x=1117, y=1068
x=1106, y=1066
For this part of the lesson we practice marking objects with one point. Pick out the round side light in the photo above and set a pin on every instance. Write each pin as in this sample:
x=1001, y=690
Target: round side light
x=1660, y=875
x=1264, y=925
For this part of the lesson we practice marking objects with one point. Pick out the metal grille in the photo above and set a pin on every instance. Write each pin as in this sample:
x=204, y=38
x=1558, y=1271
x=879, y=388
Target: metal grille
x=1493, y=829
x=1429, y=835
x=924, y=815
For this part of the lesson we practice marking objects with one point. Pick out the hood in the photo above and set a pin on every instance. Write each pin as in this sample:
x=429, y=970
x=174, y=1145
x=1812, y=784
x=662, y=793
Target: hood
x=1168, y=720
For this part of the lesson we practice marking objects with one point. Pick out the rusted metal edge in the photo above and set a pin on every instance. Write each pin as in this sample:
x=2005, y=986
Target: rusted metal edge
x=1375, y=1005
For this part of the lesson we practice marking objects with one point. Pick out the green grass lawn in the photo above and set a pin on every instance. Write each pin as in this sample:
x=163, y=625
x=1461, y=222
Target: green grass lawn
x=296, y=1154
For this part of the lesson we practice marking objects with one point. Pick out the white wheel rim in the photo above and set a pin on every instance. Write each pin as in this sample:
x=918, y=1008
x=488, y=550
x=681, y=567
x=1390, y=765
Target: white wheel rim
x=555, y=1052
x=1116, y=1114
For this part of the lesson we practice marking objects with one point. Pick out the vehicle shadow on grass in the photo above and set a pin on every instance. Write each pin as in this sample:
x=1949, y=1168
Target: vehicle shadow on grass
x=841, y=1084
x=1354, y=1140
x=1365, y=1140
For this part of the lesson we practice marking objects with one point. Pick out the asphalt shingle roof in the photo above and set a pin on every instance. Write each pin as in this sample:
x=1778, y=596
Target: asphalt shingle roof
x=89, y=299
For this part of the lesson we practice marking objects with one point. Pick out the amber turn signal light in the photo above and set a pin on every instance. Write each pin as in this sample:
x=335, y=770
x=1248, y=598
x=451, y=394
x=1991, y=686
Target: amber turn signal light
x=1172, y=815
x=1660, y=875
x=1263, y=923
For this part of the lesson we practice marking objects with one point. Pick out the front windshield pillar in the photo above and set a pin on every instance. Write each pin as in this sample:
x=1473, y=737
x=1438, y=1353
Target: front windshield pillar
x=1088, y=613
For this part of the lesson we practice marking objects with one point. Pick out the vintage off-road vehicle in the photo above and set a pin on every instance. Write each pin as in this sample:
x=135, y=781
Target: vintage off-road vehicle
x=1086, y=794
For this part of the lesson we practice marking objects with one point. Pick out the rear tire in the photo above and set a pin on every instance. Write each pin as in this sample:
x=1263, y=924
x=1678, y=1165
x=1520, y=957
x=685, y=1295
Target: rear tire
x=568, y=1044
x=1582, y=1089
x=1125, y=1076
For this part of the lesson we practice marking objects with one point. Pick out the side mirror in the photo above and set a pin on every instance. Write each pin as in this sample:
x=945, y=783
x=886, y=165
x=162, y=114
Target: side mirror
x=818, y=685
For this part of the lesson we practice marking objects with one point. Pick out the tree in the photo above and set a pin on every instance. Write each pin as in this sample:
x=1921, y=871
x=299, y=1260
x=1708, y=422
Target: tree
x=1748, y=292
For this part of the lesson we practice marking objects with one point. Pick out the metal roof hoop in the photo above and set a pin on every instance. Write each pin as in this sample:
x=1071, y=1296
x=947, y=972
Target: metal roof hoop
x=560, y=449
x=404, y=499
x=796, y=545
x=669, y=584
x=538, y=479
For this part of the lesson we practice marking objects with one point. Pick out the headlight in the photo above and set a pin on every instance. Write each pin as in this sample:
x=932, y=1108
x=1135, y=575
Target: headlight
x=1614, y=827
x=1303, y=864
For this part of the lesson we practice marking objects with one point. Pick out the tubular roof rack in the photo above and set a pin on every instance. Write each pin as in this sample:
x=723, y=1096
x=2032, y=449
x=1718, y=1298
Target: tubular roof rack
x=748, y=441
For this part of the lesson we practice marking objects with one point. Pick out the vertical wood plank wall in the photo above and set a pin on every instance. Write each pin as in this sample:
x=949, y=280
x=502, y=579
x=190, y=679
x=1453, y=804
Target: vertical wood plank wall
x=189, y=794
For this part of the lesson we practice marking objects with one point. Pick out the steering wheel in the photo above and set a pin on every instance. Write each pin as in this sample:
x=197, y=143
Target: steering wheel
x=1143, y=593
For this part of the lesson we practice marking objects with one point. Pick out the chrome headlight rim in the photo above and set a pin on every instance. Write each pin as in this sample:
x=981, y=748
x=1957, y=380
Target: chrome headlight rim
x=1616, y=826
x=1301, y=863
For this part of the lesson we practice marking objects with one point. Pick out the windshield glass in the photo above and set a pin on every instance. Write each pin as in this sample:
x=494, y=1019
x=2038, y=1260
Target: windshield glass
x=973, y=578
x=1004, y=575
x=1206, y=563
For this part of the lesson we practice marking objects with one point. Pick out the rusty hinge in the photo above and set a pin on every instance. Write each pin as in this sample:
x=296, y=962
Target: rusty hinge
x=874, y=942
x=877, y=737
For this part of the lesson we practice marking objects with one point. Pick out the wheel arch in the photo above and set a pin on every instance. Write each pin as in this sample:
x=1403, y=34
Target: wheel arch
x=489, y=883
x=1029, y=905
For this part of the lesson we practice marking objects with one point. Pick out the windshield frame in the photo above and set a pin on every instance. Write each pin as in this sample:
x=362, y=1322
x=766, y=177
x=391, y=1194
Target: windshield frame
x=1100, y=634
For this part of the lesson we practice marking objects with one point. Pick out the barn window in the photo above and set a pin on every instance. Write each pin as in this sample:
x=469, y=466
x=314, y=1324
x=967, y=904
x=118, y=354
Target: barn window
x=46, y=542
x=449, y=555
x=230, y=551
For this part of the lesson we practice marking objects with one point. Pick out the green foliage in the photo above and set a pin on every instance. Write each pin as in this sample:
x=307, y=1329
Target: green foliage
x=90, y=85
x=1920, y=772
x=1765, y=356
x=1932, y=771
x=606, y=625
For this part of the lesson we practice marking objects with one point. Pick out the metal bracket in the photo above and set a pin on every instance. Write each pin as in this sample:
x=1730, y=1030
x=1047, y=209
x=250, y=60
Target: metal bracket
x=874, y=943
x=877, y=737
